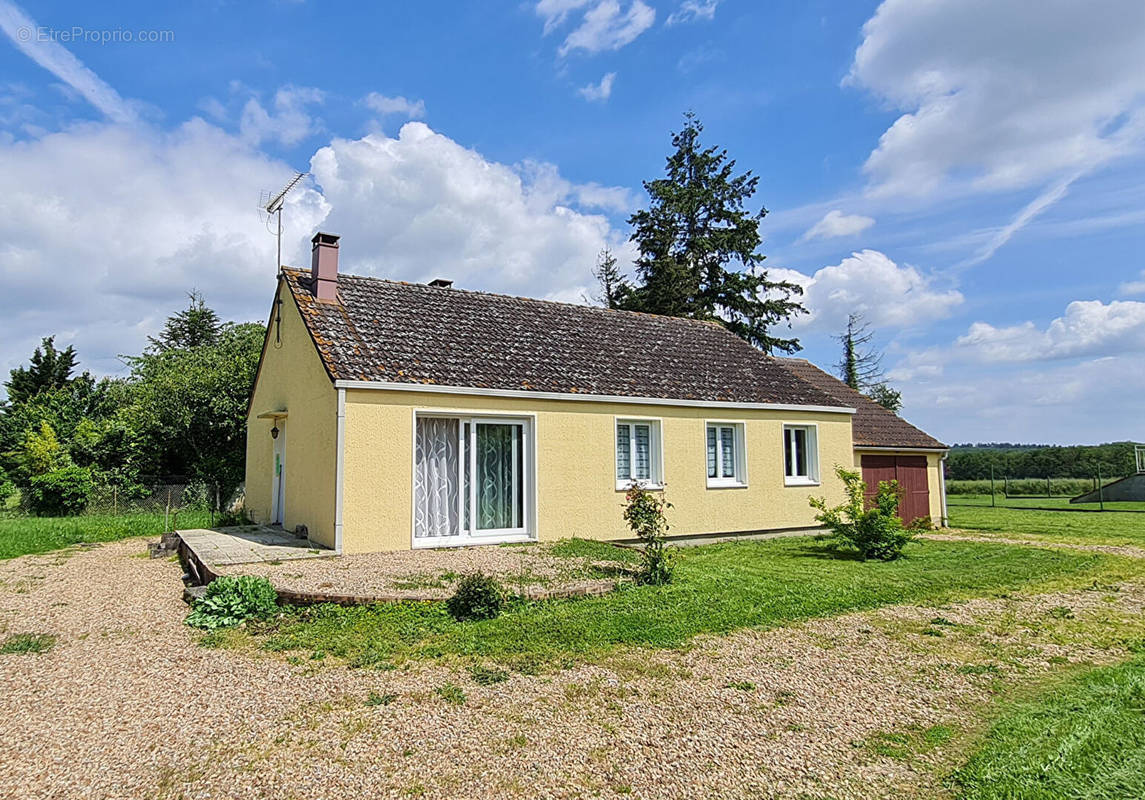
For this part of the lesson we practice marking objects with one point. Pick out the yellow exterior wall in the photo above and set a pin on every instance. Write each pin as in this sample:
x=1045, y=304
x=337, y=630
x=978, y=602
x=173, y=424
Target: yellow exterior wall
x=933, y=475
x=292, y=379
x=576, y=490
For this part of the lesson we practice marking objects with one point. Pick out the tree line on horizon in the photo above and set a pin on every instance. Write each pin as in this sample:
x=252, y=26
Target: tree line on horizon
x=974, y=462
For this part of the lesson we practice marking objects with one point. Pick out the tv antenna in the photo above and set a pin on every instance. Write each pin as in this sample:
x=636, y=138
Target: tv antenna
x=273, y=206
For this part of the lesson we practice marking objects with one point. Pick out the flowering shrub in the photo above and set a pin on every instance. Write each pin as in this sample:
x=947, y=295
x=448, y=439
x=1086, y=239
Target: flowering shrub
x=645, y=514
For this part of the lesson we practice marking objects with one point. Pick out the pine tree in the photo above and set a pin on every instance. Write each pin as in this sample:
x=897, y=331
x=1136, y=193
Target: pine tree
x=861, y=366
x=613, y=285
x=699, y=246
x=50, y=369
x=197, y=325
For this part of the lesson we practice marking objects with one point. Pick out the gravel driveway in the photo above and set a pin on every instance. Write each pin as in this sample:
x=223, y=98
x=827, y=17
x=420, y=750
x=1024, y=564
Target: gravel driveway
x=127, y=705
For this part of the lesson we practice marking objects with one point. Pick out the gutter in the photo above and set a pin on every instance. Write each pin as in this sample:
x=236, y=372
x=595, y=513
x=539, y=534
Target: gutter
x=339, y=470
x=942, y=485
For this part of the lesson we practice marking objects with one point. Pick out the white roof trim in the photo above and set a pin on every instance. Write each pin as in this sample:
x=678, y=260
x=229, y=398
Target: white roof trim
x=434, y=388
x=886, y=449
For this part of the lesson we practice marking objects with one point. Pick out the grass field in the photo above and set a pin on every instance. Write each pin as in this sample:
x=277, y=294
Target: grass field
x=718, y=588
x=1112, y=527
x=25, y=535
x=1084, y=738
x=959, y=500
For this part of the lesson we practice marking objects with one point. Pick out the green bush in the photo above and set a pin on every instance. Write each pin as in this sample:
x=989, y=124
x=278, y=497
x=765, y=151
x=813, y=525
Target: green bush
x=60, y=493
x=645, y=515
x=477, y=596
x=233, y=599
x=875, y=532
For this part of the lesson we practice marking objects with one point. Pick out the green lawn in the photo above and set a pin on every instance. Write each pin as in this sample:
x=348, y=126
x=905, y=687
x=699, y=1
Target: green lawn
x=1082, y=739
x=718, y=588
x=1053, y=526
x=23, y=535
x=958, y=500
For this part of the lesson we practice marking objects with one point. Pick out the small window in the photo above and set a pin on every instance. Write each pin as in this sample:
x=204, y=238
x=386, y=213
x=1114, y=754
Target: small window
x=800, y=454
x=726, y=458
x=638, y=452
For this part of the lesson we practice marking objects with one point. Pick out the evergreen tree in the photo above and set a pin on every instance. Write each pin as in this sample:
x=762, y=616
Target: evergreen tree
x=50, y=369
x=193, y=327
x=861, y=366
x=699, y=247
x=614, y=287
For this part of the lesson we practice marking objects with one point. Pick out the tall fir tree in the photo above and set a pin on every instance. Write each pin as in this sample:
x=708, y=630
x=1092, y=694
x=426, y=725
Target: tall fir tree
x=195, y=326
x=613, y=287
x=861, y=366
x=699, y=248
x=50, y=369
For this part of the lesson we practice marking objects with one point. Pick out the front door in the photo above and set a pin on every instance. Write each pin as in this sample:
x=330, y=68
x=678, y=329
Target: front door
x=278, y=477
x=470, y=480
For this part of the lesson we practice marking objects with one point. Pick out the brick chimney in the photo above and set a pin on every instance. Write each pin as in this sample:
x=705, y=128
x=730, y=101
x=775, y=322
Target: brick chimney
x=324, y=266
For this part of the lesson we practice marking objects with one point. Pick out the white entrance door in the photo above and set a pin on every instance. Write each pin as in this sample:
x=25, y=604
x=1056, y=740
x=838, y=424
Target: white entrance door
x=278, y=480
x=470, y=480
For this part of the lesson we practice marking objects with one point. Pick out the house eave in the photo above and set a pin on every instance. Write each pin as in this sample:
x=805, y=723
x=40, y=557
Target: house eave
x=477, y=391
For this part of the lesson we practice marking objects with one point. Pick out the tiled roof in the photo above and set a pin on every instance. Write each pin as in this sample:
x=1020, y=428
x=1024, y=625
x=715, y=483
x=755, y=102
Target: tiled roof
x=872, y=424
x=382, y=330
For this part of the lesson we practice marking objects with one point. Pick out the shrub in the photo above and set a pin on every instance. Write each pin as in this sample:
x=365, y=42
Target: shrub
x=477, y=596
x=875, y=532
x=62, y=492
x=233, y=599
x=645, y=515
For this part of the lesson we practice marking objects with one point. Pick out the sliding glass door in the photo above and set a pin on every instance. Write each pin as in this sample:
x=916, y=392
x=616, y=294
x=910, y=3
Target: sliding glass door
x=469, y=479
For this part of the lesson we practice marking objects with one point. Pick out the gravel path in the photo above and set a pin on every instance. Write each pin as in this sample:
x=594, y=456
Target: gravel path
x=128, y=706
x=429, y=573
x=958, y=535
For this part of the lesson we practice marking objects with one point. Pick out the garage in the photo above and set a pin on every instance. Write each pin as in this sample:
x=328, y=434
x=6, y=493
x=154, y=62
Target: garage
x=910, y=472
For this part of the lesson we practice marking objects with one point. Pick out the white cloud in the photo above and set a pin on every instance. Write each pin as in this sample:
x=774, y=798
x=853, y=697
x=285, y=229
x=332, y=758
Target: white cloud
x=871, y=284
x=1088, y=328
x=1001, y=95
x=420, y=205
x=606, y=27
x=836, y=223
x=555, y=12
x=1130, y=288
x=289, y=123
x=598, y=91
x=414, y=109
x=693, y=11
x=56, y=59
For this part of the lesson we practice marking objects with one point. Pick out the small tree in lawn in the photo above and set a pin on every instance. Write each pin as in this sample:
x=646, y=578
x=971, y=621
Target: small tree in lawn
x=645, y=515
x=875, y=532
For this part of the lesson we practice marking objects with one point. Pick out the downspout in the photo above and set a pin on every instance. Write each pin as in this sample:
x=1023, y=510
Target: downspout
x=942, y=485
x=339, y=470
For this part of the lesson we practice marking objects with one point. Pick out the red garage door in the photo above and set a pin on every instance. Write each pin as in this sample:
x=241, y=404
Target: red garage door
x=910, y=472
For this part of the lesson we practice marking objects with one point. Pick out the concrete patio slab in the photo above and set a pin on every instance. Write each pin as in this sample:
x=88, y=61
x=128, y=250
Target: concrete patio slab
x=247, y=544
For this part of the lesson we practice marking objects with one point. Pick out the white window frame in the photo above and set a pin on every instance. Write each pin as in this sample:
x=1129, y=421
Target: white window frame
x=739, y=469
x=655, y=452
x=812, y=476
x=527, y=532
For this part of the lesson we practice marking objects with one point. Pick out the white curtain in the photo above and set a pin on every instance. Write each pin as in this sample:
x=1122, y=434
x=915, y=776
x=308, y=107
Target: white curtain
x=436, y=480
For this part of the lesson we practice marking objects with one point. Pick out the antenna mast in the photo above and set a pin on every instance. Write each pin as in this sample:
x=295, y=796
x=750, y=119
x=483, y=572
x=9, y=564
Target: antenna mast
x=275, y=207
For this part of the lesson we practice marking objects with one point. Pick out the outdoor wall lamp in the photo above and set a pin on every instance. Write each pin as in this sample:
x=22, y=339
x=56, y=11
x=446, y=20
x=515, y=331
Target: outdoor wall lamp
x=274, y=432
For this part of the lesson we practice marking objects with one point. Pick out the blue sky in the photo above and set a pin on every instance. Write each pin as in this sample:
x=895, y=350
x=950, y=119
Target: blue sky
x=967, y=174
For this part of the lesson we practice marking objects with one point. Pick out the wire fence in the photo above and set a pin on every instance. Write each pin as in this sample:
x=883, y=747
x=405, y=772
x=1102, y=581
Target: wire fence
x=164, y=504
x=1099, y=492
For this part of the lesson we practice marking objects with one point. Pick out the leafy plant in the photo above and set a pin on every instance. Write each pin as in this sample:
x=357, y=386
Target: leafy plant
x=875, y=532
x=487, y=676
x=477, y=596
x=60, y=493
x=375, y=699
x=231, y=600
x=645, y=515
x=27, y=643
x=451, y=693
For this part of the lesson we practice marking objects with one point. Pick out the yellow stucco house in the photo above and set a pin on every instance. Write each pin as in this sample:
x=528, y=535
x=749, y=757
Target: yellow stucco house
x=389, y=416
